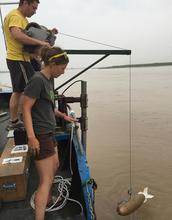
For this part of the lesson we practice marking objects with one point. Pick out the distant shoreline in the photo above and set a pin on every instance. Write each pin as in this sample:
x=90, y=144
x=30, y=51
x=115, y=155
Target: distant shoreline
x=120, y=66
x=5, y=71
x=138, y=65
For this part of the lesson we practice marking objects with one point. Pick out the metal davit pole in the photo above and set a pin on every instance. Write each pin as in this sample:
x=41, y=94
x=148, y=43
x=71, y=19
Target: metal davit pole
x=2, y=26
x=9, y=3
x=84, y=119
x=2, y=22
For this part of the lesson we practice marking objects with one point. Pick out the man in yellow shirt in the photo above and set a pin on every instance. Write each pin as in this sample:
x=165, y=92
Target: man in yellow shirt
x=18, y=62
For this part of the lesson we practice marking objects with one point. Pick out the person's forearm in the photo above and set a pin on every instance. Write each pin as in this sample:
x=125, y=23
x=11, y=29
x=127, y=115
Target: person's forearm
x=64, y=116
x=28, y=123
x=59, y=114
x=24, y=39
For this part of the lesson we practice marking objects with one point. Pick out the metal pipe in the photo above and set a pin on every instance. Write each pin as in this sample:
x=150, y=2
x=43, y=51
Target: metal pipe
x=2, y=26
x=99, y=52
x=9, y=3
x=2, y=23
x=84, y=119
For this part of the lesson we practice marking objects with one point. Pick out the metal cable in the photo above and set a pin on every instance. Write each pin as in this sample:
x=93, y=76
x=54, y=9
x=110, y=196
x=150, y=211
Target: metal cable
x=70, y=86
x=130, y=128
x=92, y=41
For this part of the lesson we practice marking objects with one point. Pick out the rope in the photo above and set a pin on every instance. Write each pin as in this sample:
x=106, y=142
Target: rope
x=90, y=204
x=63, y=195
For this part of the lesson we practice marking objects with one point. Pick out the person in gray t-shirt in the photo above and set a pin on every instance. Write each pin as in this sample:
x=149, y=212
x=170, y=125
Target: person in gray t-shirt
x=43, y=117
x=39, y=120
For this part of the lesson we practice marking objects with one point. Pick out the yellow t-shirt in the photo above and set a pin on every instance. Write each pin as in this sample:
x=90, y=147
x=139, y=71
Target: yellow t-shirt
x=14, y=47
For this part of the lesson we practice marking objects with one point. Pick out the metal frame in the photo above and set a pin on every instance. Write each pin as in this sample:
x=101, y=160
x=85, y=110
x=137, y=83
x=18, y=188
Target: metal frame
x=2, y=23
x=8, y=3
x=83, y=97
x=106, y=53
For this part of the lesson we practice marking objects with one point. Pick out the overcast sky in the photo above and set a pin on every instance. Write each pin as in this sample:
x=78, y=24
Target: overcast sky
x=145, y=27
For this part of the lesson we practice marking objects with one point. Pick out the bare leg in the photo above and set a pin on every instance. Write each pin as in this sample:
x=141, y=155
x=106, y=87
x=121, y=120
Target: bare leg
x=14, y=104
x=55, y=170
x=20, y=107
x=46, y=168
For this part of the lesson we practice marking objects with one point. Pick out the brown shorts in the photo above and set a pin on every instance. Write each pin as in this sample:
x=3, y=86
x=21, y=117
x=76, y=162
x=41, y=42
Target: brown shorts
x=47, y=146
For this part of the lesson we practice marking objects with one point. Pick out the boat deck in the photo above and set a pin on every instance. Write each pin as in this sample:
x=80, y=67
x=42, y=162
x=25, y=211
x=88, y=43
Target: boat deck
x=21, y=210
x=3, y=132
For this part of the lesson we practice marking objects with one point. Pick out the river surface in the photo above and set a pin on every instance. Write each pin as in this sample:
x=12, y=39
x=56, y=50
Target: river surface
x=129, y=121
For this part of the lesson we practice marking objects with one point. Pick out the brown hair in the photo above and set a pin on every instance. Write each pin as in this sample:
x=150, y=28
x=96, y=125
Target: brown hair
x=54, y=55
x=28, y=1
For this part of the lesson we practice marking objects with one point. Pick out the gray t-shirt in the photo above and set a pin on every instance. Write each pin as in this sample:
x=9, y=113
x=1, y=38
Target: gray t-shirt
x=41, y=89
